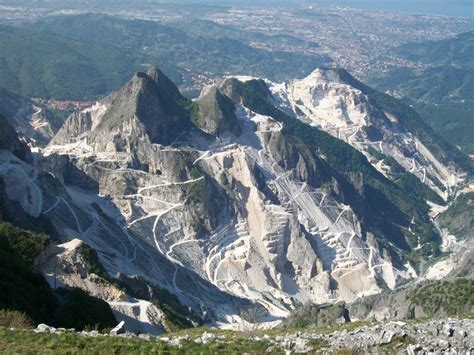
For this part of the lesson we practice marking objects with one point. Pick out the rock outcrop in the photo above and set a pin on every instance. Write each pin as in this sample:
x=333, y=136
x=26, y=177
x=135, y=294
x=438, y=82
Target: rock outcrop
x=216, y=113
x=66, y=265
x=147, y=109
x=10, y=142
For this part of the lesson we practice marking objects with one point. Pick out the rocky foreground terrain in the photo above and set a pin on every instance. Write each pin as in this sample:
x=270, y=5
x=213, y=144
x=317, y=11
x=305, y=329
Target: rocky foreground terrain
x=450, y=335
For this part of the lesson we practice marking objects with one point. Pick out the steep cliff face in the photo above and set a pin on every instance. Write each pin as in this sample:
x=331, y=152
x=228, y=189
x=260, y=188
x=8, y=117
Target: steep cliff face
x=230, y=202
x=9, y=140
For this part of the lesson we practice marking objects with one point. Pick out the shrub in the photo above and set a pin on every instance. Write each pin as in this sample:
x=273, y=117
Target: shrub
x=25, y=244
x=444, y=297
x=92, y=260
x=15, y=319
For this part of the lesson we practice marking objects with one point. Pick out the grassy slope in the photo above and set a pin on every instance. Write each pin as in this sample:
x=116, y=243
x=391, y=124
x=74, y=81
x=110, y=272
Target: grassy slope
x=235, y=342
x=29, y=342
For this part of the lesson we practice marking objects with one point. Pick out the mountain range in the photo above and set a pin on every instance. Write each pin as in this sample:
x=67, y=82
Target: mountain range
x=439, y=85
x=86, y=56
x=249, y=200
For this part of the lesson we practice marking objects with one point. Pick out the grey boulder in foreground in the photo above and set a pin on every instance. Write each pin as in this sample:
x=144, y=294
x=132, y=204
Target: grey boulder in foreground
x=453, y=336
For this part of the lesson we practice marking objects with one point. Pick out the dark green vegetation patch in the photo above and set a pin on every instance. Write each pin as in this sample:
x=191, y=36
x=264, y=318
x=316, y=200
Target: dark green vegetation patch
x=452, y=298
x=84, y=56
x=459, y=217
x=22, y=289
x=442, y=92
x=92, y=260
x=315, y=316
x=413, y=122
x=39, y=64
x=25, y=291
x=202, y=46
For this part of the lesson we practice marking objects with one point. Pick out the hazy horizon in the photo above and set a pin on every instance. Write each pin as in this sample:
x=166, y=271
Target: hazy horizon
x=458, y=8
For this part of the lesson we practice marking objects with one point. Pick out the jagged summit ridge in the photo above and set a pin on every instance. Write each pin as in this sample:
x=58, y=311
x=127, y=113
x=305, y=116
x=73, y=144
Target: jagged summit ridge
x=165, y=85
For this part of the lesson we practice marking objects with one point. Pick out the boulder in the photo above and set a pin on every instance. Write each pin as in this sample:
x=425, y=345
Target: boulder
x=448, y=330
x=387, y=337
x=94, y=334
x=414, y=349
x=43, y=328
x=206, y=337
x=443, y=344
x=119, y=329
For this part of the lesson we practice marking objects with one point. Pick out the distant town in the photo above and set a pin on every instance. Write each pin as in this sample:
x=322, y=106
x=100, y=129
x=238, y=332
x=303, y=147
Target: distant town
x=357, y=40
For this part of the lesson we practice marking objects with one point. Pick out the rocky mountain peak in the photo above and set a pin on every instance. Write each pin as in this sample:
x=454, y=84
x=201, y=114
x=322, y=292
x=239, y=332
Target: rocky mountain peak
x=216, y=112
x=335, y=102
x=155, y=103
x=324, y=75
x=148, y=108
x=165, y=85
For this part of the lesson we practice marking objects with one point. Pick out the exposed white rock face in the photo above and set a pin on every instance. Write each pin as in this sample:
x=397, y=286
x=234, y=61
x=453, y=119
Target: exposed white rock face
x=309, y=230
x=40, y=124
x=325, y=101
x=297, y=247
